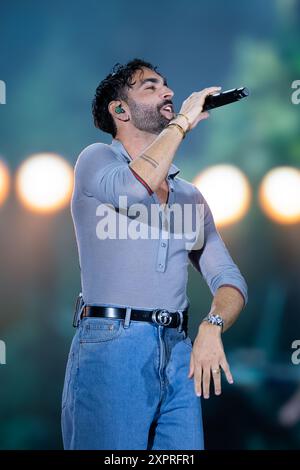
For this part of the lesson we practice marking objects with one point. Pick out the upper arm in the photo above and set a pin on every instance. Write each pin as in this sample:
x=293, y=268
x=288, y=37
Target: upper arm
x=100, y=174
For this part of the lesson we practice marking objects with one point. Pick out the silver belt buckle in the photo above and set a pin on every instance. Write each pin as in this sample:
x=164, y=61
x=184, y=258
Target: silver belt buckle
x=162, y=317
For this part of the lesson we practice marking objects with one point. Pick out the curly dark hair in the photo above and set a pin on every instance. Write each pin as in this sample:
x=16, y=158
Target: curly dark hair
x=114, y=87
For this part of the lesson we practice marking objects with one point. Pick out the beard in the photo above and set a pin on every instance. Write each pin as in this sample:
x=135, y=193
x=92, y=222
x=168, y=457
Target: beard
x=147, y=118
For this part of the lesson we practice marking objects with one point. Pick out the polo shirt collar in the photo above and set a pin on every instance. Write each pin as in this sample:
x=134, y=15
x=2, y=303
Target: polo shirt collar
x=119, y=147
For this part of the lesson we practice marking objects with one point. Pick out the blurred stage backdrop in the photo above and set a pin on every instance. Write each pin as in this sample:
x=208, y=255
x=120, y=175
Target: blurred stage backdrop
x=53, y=55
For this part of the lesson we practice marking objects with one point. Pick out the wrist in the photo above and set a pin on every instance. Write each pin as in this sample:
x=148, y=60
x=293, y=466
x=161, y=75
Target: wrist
x=181, y=121
x=206, y=327
x=184, y=116
x=214, y=320
x=178, y=128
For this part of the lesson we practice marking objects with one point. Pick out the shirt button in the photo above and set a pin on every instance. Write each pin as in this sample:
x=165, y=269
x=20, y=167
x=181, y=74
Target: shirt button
x=160, y=265
x=163, y=244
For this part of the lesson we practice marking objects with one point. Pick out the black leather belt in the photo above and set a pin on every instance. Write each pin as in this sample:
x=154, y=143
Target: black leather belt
x=159, y=316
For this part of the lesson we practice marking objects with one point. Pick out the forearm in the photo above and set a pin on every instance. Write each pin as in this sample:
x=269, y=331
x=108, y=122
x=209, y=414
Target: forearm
x=154, y=163
x=228, y=303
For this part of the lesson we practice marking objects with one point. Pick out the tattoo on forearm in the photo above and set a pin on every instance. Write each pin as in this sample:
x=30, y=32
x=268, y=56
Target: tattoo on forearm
x=150, y=160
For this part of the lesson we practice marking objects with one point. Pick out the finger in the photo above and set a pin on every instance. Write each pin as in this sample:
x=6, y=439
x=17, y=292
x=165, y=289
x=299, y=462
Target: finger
x=198, y=380
x=225, y=366
x=191, y=371
x=203, y=115
x=206, y=382
x=211, y=90
x=215, y=90
x=216, y=378
x=207, y=92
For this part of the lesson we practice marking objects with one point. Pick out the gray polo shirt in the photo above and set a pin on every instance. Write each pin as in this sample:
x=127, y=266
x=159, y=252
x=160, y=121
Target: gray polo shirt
x=129, y=268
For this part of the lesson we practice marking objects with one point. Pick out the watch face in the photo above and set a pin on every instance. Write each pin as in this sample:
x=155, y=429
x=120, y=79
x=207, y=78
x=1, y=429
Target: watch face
x=215, y=320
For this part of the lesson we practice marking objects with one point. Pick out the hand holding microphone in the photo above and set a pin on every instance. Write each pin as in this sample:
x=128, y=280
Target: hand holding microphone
x=195, y=108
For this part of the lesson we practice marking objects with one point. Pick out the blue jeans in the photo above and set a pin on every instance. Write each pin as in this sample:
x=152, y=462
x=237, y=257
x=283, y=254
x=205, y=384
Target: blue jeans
x=127, y=387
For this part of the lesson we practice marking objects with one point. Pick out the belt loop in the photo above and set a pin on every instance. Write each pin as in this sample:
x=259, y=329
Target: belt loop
x=78, y=310
x=127, y=317
x=181, y=321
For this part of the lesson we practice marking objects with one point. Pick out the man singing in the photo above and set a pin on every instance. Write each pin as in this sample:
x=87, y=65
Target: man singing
x=134, y=378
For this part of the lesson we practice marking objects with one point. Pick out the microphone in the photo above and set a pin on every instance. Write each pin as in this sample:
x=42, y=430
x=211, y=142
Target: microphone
x=226, y=97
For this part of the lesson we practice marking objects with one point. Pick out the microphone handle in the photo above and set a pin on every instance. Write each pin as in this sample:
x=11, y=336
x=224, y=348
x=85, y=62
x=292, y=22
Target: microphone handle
x=226, y=97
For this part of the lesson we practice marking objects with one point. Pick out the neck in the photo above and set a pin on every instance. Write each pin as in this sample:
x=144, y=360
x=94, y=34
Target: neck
x=136, y=142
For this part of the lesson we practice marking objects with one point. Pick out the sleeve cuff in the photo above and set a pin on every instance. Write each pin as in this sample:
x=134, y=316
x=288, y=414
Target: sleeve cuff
x=239, y=290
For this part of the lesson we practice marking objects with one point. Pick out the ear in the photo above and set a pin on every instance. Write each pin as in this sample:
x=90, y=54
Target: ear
x=120, y=116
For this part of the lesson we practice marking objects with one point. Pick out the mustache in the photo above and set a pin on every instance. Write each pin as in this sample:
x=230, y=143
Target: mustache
x=165, y=104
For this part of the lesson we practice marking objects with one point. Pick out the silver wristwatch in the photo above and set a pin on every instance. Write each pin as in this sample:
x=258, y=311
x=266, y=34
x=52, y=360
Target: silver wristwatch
x=214, y=320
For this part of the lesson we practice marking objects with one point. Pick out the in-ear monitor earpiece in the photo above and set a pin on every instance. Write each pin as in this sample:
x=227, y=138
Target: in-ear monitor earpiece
x=119, y=109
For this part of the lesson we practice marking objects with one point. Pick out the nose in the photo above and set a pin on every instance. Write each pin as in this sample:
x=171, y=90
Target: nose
x=167, y=93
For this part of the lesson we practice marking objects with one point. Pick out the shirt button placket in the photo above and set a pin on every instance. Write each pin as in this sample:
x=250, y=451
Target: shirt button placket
x=162, y=253
x=164, y=242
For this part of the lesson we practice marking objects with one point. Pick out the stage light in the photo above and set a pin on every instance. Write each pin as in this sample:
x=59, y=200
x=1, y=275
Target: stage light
x=4, y=182
x=44, y=182
x=279, y=195
x=227, y=192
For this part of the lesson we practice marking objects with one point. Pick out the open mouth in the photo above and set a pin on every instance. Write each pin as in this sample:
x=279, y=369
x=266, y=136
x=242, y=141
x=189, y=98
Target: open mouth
x=168, y=109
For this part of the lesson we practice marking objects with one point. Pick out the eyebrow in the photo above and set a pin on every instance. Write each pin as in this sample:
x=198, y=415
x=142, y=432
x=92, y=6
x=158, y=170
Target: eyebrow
x=153, y=80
